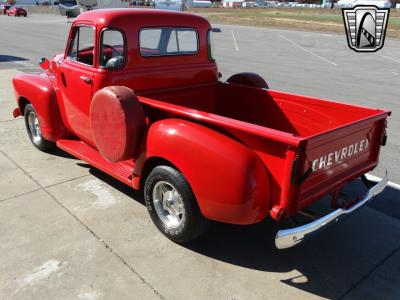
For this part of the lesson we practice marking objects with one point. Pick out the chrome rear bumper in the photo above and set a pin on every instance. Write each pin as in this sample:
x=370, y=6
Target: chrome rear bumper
x=290, y=237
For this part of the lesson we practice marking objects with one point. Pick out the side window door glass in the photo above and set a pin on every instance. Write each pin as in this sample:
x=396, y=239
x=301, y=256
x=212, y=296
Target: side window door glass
x=73, y=47
x=82, y=45
x=112, y=49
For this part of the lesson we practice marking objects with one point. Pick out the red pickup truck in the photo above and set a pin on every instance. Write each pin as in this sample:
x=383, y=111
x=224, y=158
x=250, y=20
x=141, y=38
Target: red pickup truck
x=137, y=94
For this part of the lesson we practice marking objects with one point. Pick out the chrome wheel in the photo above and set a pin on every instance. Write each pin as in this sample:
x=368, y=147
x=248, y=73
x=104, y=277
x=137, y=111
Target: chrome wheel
x=34, y=127
x=172, y=205
x=168, y=204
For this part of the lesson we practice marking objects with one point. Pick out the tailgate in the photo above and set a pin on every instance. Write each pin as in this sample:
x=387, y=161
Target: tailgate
x=341, y=155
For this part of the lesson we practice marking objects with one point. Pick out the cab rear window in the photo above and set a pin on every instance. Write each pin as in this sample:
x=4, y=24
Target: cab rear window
x=168, y=41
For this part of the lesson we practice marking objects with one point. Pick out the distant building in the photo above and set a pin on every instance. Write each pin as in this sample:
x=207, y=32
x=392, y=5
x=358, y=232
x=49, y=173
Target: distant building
x=198, y=3
x=232, y=3
x=352, y=3
x=176, y=5
x=249, y=4
x=326, y=3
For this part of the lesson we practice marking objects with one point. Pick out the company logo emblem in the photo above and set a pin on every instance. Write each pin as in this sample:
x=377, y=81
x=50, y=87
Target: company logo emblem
x=365, y=27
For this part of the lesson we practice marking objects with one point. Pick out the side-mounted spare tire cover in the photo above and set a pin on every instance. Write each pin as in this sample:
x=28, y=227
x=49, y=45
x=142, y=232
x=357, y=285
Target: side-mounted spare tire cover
x=118, y=122
x=248, y=79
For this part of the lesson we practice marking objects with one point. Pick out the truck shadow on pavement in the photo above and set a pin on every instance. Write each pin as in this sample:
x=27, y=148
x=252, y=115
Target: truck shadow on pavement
x=333, y=264
x=60, y=153
x=11, y=58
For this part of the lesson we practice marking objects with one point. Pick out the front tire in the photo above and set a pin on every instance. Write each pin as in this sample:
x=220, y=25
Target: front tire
x=33, y=129
x=172, y=205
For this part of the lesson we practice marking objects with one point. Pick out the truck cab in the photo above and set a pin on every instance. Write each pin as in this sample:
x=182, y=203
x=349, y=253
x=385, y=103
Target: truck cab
x=141, y=49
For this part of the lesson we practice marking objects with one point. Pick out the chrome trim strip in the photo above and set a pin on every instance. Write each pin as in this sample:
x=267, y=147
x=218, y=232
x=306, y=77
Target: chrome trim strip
x=290, y=237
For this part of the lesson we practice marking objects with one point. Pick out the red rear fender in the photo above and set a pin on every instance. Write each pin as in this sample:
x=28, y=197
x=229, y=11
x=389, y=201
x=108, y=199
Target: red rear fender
x=228, y=179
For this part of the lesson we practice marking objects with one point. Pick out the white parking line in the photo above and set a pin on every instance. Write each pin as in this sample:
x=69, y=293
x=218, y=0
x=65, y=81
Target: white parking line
x=234, y=41
x=377, y=179
x=308, y=51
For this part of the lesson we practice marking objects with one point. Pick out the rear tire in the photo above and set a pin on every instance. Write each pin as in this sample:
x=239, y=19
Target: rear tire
x=172, y=205
x=33, y=129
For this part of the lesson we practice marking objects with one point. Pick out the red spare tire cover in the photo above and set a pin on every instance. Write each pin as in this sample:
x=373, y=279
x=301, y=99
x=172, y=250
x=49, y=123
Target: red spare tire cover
x=118, y=122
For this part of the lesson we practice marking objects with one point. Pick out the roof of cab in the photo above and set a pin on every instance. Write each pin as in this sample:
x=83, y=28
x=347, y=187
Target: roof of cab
x=107, y=17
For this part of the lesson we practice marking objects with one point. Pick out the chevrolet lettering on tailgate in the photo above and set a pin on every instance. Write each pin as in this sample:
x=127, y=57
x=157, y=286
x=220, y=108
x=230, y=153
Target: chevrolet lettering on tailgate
x=339, y=155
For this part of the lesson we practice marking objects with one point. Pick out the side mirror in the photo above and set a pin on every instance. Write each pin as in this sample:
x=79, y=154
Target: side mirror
x=216, y=29
x=44, y=63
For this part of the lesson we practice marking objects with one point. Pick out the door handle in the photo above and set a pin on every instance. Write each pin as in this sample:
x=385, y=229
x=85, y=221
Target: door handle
x=63, y=79
x=86, y=79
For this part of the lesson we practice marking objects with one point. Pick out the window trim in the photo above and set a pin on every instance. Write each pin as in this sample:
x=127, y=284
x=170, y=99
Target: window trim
x=167, y=54
x=70, y=43
x=210, y=45
x=101, y=42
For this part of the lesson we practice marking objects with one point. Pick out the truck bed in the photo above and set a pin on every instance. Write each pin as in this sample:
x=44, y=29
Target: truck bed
x=291, y=134
x=297, y=115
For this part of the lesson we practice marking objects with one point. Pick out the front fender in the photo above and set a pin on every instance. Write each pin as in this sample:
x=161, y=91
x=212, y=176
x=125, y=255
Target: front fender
x=228, y=179
x=38, y=90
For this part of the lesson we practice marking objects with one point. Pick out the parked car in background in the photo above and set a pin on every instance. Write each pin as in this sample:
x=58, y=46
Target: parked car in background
x=69, y=8
x=249, y=4
x=4, y=8
x=17, y=11
x=136, y=3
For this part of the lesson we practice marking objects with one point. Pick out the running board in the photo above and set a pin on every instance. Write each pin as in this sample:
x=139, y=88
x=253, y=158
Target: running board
x=122, y=170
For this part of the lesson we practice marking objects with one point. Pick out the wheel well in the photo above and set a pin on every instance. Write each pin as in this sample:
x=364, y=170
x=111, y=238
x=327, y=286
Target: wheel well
x=22, y=103
x=150, y=164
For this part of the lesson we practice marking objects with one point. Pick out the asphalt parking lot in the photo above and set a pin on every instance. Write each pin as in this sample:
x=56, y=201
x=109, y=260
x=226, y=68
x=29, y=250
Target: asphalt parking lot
x=69, y=231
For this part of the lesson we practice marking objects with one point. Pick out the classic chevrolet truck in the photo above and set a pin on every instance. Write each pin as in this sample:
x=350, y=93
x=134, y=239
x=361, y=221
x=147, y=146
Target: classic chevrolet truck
x=137, y=94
